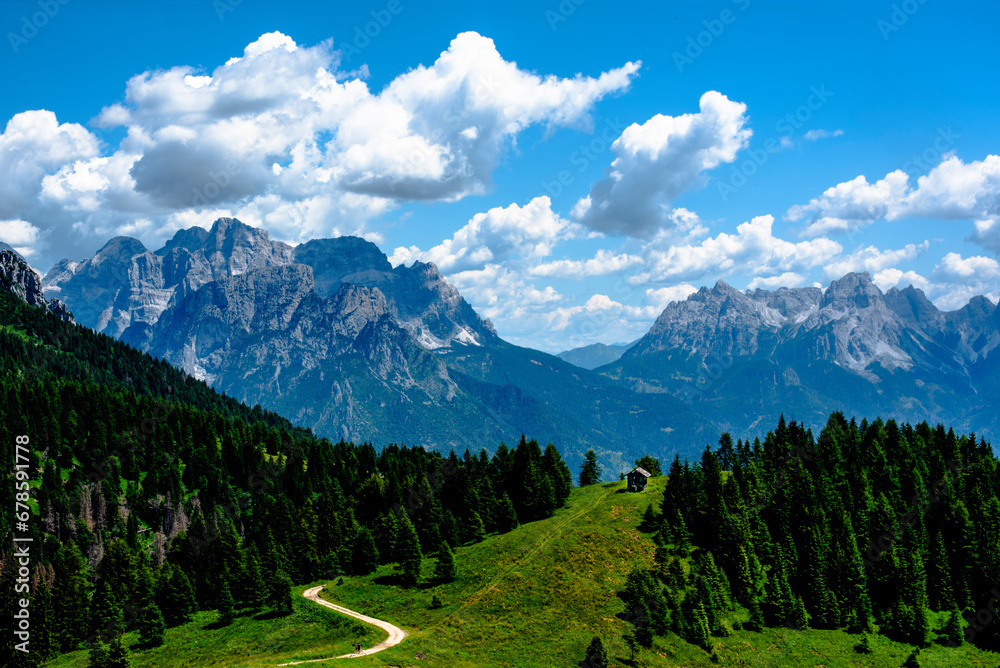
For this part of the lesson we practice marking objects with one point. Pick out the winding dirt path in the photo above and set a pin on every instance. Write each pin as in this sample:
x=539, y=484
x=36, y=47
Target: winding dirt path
x=396, y=634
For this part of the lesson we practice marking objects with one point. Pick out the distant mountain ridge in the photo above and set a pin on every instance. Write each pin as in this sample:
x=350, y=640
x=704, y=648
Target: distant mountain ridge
x=850, y=347
x=595, y=355
x=331, y=335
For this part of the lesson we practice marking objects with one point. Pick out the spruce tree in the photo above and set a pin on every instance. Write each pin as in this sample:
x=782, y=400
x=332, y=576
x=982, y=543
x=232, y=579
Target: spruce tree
x=756, y=621
x=701, y=628
x=118, y=656
x=659, y=616
x=97, y=657
x=954, y=630
x=408, y=549
x=152, y=628
x=597, y=656
x=366, y=554
x=177, y=600
x=445, y=569
x=280, y=593
x=70, y=596
x=590, y=472
x=226, y=604
x=105, y=613
x=506, y=516
x=474, y=531
x=643, y=626
x=256, y=588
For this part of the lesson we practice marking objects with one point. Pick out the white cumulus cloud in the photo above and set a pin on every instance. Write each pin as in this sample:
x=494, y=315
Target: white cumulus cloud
x=657, y=161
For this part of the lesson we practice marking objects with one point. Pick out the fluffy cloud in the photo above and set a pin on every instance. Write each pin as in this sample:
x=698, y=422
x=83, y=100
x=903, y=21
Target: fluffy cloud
x=657, y=161
x=787, y=279
x=281, y=134
x=33, y=145
x=659, y=298
x=604, y=262
x=753, y=251
x=850, y=205
x=987, y=234
x=20, y=234
x=953, y=190
x=952, y=282
x=873, y=260
x=527, y=232
x=956, y=268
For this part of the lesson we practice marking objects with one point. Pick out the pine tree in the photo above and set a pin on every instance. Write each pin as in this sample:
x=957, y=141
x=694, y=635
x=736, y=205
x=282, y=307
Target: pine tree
x=474, y=531
x=756, y=621
x=408, y=549
x=659, y=616
x=366, y=554
x=70, y=596
x=445, y=569
x=177, y=599
x=631, y=643
x=105, y=613
x=954, y=630
x=118, y=656
x=643, y=627
x=256, y=590
x=597, y=656
x=559, y=474
x=280, y=593
x=97, y=657
x=226, y=604
x=590, y=472
x=913, y=661
x=506, y=516
x=800, y=618
x=152, y=628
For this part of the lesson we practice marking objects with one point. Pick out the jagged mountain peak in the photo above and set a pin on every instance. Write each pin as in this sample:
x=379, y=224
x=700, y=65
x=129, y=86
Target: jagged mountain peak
x=190, y=239
x=120, y=249
x=21, y=280
x=855, y=289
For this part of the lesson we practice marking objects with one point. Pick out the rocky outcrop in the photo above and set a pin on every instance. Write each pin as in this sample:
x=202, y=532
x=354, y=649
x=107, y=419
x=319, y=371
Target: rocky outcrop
x=18, y=278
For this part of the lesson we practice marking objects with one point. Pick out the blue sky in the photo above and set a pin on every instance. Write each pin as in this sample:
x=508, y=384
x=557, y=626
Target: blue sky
x=571, y=167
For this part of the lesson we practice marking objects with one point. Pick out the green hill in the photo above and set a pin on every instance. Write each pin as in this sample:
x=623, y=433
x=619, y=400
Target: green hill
x=532, y=597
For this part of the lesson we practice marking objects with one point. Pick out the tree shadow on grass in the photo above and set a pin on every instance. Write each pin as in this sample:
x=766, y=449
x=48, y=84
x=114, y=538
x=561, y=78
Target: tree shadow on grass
x=270, y=614
x=390, y=580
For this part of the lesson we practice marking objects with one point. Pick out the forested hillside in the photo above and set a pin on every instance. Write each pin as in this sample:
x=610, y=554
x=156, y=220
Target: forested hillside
x=872, y=526
x=152, y=496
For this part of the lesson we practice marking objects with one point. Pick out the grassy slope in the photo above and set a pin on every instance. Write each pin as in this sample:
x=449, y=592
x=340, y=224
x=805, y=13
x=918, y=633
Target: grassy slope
x=536, y=596
x=530, y=598
x=311, y=632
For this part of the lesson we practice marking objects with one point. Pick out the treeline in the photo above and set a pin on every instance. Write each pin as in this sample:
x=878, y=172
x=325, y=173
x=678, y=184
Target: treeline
x=146, y=509
x=36, y=345
x=872, y=527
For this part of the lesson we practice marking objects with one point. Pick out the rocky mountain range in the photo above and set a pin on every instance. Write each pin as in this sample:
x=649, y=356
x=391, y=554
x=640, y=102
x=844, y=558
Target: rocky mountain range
x=18, y=278
x=331, y=335
x=807, y=351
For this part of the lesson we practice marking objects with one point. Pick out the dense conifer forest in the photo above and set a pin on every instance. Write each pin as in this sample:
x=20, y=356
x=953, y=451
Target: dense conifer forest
x=870, y=526
x=155, y=497
x=152, y=497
